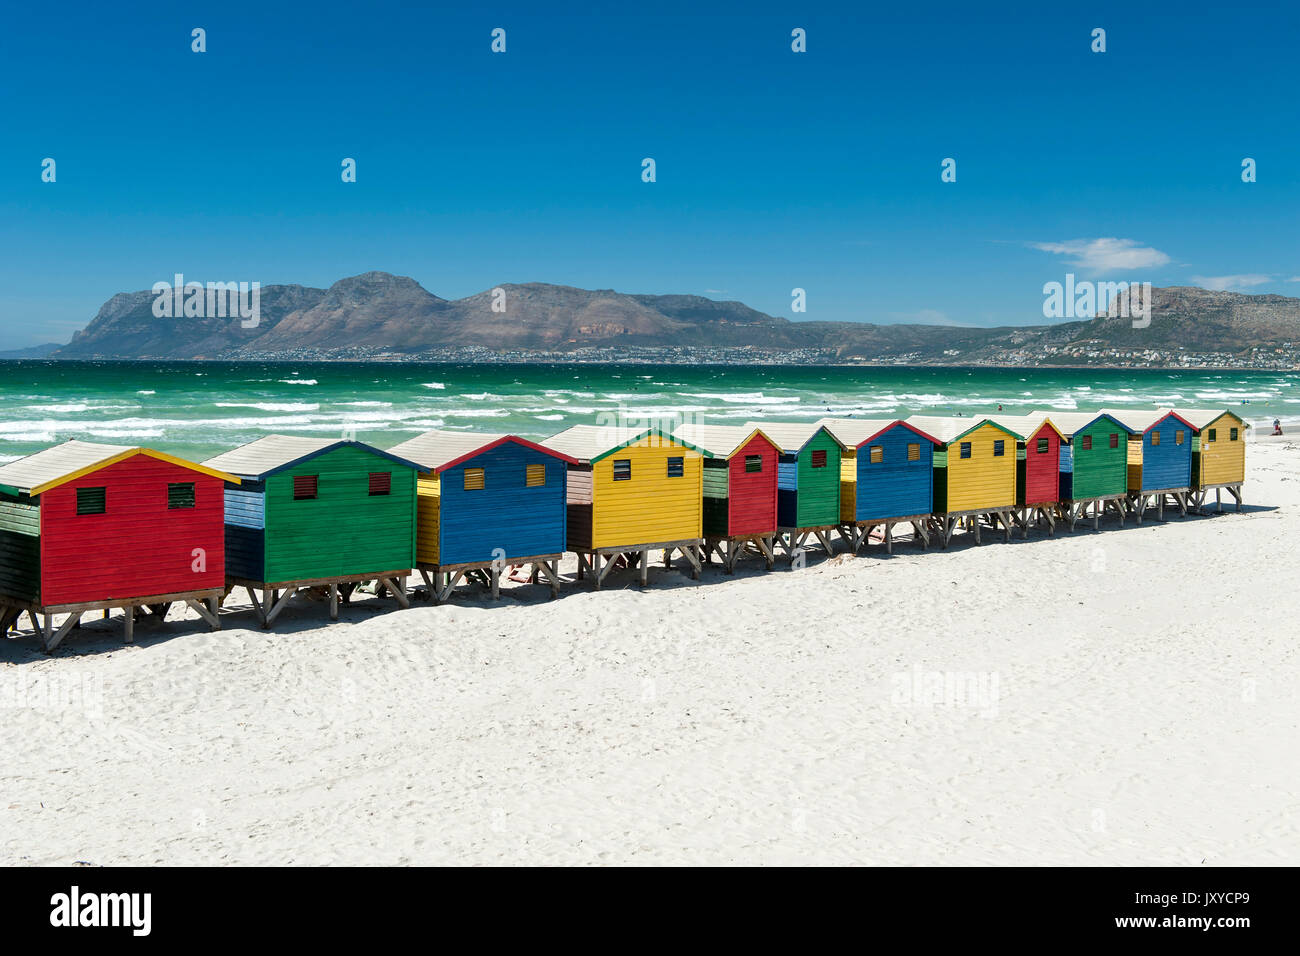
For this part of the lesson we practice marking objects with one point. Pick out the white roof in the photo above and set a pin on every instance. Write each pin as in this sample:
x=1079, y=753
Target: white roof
x=720, y=441
x=1201, y=417
x=791, y=436
x=586, y=442
x=946, y=428
x=267, y=454
x=1138, y=419
x=1071, y=422
x=57, y=462
x=1026, y=425
x=854, y=431
x=433, y=449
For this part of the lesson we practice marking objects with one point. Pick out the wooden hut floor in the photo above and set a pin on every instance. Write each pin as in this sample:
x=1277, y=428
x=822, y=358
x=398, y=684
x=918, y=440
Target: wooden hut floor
x=1037, y=516
x=944, y=525
x=156, y=605
x=1140, y=501
x=1198, y=496
x=271, y=602
x=441, y=579
x=860, y=533
x=628, y=556
x=1078, y=510
x=731, y=549
x=793, y=540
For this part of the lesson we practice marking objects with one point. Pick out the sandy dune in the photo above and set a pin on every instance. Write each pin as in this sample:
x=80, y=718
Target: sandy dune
x=1115, y=698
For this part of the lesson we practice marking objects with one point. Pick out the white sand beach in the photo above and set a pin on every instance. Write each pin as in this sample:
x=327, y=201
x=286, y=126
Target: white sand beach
x=1122, y=697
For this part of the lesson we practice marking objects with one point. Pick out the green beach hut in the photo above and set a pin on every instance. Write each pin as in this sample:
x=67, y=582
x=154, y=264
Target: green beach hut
x=317, y=512
x=808, y=482
x=1094, y=466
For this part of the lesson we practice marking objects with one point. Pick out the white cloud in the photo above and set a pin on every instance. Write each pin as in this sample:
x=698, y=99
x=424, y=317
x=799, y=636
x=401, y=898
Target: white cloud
x=1224, y=283
x=1294, y=279
x=1105, y=255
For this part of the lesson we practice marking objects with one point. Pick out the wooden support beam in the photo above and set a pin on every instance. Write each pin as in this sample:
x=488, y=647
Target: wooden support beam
x=549, y=570
x=600, y=574
x=130, y=624
x=334, y=602
x=52, y=640
x=208, y=614
x=397, y=587
x=280, y=604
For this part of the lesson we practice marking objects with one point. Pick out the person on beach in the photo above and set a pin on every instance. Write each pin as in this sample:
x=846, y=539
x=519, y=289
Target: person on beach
x=1277, y=426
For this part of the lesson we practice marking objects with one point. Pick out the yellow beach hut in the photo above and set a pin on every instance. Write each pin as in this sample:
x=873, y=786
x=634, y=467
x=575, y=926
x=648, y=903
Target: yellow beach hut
x=1218, y=454
x=630, y=493
x=974, y=474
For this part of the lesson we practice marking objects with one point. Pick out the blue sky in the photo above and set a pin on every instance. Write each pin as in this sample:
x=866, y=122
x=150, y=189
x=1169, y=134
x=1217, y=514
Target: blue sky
x=775, y=170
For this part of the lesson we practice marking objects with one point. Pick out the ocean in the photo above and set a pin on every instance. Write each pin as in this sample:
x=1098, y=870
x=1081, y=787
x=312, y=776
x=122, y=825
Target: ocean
x=197, y=410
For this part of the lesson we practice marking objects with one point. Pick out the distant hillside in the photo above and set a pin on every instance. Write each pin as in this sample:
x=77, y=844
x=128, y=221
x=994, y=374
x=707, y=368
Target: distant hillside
x=381, y=316
x=33, y=352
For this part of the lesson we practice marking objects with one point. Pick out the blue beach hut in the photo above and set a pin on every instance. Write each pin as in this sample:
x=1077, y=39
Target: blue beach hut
x=886, y=477
x=486, y=501
x=1159, y=458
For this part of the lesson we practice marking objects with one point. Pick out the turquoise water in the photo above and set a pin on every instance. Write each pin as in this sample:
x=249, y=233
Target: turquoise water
x=200, y=409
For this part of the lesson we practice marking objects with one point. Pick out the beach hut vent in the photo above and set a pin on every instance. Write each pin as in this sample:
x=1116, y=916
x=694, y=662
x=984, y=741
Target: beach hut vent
x=965, y=449
x=381, y=483
x=999, y=448
x=914, y=451
x=753, y=464
x=676, y=467
x=180, y=495
x=819, y=458
x=535, y=475
x=474, y=479
x=91, y=501
x=304, y=487
x=877, y=454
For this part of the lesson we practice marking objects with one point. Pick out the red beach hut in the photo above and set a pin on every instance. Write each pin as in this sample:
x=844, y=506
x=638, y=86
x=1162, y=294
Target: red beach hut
x=85, y=527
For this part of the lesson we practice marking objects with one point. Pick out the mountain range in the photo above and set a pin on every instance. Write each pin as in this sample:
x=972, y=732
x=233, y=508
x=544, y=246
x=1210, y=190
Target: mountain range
x=377, y=315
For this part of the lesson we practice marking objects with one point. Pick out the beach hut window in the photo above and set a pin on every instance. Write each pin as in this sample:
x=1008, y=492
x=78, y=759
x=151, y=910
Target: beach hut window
x=1155, y=438
x=473, y=479
x=819, y=458
x=999, y=448
x=535, y=476
x=180, y=495
x=622, y=469
x=753, y=464
x=1042, y=446
x=381, y=483
x=965, y=449
x=1213, y=434
x=304, y=487
x=1087, y=442
x=91, y=501
x=1178, y=437
x=1232, y=434
x=676, y=467
x=877, y=454
x=913, y=452
x=1114, y=440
